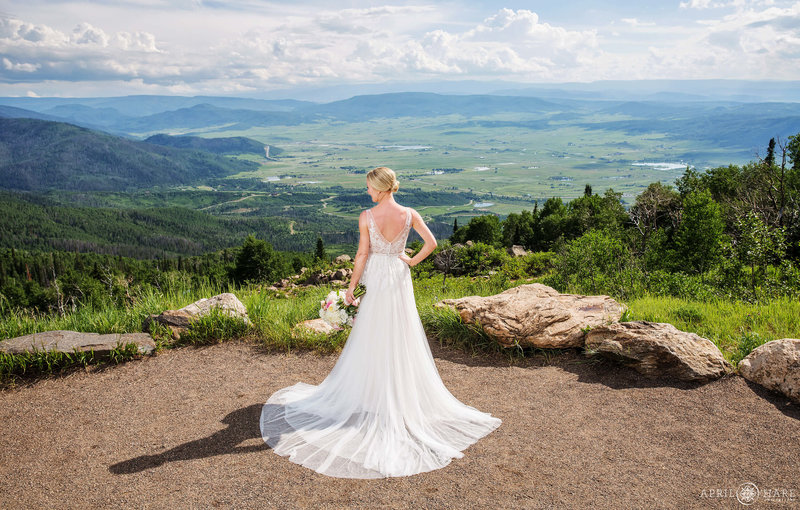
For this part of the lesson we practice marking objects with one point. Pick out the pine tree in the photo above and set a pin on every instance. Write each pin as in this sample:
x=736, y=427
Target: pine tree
x=320, y=254
x=770, y=159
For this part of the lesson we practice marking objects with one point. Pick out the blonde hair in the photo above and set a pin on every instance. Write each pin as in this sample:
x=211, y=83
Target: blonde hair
x=383, y=179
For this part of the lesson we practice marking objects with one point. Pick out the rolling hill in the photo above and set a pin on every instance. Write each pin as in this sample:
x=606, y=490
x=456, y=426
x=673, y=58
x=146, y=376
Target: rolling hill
x=37, y=155
x=226, y=145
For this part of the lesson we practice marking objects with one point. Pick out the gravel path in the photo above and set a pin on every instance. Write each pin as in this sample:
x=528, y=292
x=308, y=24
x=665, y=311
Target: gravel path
x=180, y=430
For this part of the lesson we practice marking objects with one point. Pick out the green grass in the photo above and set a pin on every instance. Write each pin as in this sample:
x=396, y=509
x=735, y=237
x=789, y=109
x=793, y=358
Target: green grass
x=735, y=327
x=106, y=318
x=214, y=327
x=39, y=363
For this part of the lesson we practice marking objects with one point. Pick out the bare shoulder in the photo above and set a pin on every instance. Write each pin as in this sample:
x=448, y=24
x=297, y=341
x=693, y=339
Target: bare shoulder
x=362, y=218
x=416, y=218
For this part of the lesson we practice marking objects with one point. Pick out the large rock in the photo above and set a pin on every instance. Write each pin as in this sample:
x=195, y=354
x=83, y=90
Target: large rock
x=535, y=315
x=517, y=251
x=178, y=320
x=342, y=259
x=659, y=349
x=69, y=341
x=776, y=366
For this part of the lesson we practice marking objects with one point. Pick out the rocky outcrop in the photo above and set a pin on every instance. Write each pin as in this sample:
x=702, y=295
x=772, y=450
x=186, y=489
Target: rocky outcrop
x=659, y=349
x=775, y=366
x=535, y=315
x=69, y=341
x=178, y=320
x=331, y=276
x=342, y=259
x=517, y=251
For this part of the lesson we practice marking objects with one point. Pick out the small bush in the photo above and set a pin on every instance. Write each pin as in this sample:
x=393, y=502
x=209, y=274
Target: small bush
x=745, y=345
x=538, y=263
x=480, y=258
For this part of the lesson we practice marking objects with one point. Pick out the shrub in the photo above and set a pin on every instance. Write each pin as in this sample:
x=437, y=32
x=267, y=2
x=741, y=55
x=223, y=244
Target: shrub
x=479, y=258
x=597, y=262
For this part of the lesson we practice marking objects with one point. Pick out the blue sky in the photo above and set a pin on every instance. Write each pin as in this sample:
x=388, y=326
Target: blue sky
x=115, y=47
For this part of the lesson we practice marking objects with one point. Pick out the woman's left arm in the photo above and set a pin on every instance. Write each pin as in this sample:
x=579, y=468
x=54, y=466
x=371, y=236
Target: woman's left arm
x=430, y=242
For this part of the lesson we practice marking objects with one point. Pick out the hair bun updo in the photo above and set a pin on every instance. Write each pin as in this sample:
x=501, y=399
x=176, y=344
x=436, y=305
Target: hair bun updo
x=383, y=179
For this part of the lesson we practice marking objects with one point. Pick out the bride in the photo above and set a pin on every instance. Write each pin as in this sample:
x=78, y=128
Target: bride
x=383, y=409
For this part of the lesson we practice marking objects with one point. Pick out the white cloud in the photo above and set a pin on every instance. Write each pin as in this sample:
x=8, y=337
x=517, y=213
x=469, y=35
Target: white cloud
x=18, y=66
x=710, y=4
x=636, y=23
x=192, y=46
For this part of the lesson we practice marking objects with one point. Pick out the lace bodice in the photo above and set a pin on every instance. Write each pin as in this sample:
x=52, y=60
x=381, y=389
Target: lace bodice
x=379, y=244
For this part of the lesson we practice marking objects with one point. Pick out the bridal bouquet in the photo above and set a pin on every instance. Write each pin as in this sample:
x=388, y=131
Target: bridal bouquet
x=335, y=312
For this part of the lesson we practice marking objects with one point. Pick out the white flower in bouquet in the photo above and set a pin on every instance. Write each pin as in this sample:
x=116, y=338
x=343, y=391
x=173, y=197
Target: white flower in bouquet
x=335, y=312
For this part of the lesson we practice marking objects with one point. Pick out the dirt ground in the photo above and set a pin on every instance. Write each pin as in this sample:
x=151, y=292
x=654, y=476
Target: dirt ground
x=181, y=430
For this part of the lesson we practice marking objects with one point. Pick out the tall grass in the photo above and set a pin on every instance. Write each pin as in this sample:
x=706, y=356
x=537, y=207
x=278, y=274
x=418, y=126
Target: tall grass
x=107, y=318
x=735, y=327
x=39, y=362
x=274, y=319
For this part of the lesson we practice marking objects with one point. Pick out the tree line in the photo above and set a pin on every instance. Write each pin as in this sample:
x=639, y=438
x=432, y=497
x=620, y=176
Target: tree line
x=732, y=230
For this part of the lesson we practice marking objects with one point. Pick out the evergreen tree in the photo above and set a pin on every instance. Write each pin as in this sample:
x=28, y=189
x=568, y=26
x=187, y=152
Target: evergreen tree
x=319, y=253
x=455, y=224
x=770, y=159
x=256, y=262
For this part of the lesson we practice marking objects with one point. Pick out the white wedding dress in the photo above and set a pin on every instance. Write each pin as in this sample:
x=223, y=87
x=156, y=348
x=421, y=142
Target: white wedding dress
x=383, y=409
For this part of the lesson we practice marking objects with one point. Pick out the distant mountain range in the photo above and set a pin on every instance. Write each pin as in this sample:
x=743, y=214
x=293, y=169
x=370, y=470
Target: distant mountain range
x=729, y=123
x=734, y=126
x=38, y=154
x=114, y=115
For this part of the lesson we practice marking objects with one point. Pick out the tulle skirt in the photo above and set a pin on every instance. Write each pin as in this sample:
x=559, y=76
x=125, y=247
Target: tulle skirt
x=383, y=410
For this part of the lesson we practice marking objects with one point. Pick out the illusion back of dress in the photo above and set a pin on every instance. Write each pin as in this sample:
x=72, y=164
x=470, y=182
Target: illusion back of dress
x=379, y=244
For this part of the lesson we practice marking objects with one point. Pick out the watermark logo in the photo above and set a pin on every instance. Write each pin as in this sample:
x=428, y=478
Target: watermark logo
x=747, y=493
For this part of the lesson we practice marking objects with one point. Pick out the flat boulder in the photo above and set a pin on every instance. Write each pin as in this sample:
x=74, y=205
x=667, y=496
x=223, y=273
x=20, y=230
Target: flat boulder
x=69, y=341
x=535, y=315
x=659, y=349
x=315, y=326
x=178, y=320
x=775, y=366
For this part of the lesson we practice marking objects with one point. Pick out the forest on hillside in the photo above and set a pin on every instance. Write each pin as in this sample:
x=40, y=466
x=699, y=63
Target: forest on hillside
x=730, y=232
x=39, y=155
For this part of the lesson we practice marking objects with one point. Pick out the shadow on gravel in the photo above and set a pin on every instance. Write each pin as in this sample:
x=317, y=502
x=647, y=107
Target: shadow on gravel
x=781, y=402
x=614, y=375
x=595, y=369
x=243, y=424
